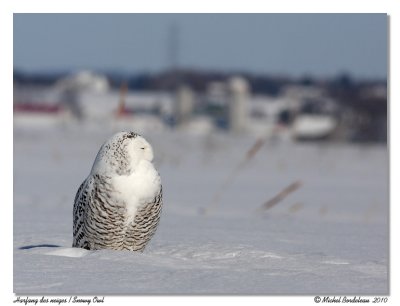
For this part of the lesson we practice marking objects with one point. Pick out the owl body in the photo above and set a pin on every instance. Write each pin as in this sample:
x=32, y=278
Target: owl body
x=118, y=206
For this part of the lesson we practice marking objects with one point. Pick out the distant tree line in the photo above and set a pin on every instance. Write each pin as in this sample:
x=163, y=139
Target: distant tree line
x=198, y=80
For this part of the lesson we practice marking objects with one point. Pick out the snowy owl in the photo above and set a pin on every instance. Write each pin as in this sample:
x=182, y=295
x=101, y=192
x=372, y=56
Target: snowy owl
x=118, y=206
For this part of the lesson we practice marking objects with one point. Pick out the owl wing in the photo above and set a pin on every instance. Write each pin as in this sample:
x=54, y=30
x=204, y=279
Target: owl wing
x=79, y=211
x=145, y=224
x=98, y=217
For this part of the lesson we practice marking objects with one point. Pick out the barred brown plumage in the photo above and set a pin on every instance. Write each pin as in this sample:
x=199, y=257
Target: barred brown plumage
x=119, y=204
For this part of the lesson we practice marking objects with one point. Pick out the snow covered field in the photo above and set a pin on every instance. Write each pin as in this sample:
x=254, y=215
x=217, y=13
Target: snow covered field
x=330, y=236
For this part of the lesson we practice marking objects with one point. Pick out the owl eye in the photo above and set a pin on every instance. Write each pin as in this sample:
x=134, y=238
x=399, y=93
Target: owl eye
x=142, y=148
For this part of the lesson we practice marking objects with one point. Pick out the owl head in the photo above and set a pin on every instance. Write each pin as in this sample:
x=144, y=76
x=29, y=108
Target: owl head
x=121, y=153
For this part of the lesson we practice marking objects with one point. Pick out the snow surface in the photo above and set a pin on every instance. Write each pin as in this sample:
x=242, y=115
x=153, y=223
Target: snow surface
x=331, y=236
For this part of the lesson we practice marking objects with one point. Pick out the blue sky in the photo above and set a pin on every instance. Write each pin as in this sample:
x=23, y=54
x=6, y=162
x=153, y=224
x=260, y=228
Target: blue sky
x=321, y=45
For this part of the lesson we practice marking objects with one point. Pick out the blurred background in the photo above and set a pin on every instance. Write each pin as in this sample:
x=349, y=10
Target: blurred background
x=294, y=77
x=269, y=132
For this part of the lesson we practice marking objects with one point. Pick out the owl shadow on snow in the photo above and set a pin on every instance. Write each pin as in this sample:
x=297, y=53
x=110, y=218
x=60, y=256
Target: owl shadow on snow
x=27, y=247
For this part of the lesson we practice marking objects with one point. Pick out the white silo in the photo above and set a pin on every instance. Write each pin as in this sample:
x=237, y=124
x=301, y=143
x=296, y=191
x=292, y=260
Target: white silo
x=184, y=105
x=238, y=90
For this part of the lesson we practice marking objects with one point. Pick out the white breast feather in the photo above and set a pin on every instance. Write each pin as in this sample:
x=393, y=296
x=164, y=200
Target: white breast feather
x=138, y=188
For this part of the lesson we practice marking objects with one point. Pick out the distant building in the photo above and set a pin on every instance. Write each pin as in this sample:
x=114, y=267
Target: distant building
x=37, y=106
x=239, y=95
x=85, y=81
x=184, y=105
x=71, y=88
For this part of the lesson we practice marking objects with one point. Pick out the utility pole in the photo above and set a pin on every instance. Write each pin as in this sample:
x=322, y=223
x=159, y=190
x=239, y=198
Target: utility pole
x=173, y=46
